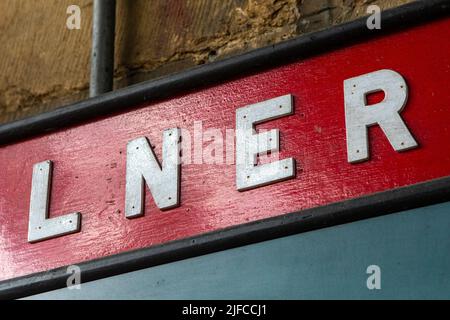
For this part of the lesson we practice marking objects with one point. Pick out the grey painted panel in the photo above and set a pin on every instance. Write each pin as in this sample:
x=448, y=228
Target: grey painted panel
x=412, y=249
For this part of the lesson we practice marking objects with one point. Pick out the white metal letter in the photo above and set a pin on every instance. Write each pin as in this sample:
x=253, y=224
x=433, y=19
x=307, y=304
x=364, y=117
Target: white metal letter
x=142, y=164
x=40, y=226
x=249, y=144
x=359, y=116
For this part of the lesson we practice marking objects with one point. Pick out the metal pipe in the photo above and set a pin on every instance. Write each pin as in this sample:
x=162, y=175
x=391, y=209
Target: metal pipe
x=102, y=54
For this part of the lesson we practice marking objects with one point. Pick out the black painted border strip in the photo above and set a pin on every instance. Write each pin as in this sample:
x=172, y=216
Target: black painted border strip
x=302, y=47
x=337, y=213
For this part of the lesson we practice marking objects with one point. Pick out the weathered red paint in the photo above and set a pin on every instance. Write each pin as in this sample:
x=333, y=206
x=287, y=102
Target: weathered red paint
x=89, y=159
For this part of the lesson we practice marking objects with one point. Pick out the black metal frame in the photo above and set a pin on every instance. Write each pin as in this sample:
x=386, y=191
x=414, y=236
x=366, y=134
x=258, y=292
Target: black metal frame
x=337, y=213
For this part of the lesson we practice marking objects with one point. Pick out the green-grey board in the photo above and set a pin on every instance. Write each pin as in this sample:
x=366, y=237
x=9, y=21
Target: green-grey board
x=411, y=248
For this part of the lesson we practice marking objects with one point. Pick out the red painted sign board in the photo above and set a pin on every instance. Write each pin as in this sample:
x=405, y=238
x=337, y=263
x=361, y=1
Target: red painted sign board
x=90, y=158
